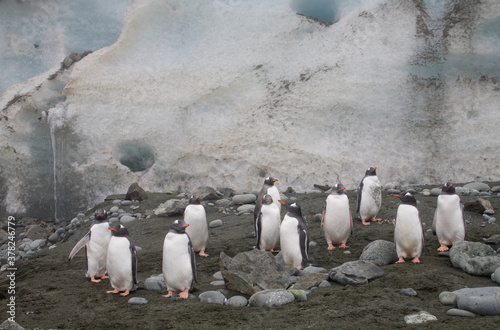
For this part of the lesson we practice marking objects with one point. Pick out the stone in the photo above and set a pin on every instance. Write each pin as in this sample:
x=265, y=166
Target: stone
x=308, y=281
x=493, y=239
x=126, y=203
x=459, y=312
x=37, y=243
x=206, y=194
x=114, y=209
x=253, y=271
x=435, y=191
x=419, y=318
x=127, y=219
x=10, y=325
x=222, y=202
x=481, y=301
x=312, y=270
x=244, y=199
x=299, y=295
x=217, y=283
x=218, y=275
x=35, y=232
x=237, y=301
x=172, y=207
x=474, y=258
x=380, y=252
x=212, y=297
x=136, y=193
x=216, y=223
x=409, y=292
x=270, y=298
x=137, y=301
x=480, y=205
x=355, y=272
x=447, y=298
x=479, y=186
x=496, y=275
x=54, y=237
x=245, y=208
x=155, y=283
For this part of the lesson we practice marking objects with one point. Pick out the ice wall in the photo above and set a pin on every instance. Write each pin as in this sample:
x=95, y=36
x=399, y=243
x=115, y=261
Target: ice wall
x=224, y=93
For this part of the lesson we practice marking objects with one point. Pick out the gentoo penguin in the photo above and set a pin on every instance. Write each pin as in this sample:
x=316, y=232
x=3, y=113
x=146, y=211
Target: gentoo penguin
x=369, y=196
x=121, y=262
x=268, y=225
x=196, y=217
x=336, y=219
x=449, y=220
x=267, y=189
x=179, y=268
x=408, y=234
x=96, y=244
x=294, y=237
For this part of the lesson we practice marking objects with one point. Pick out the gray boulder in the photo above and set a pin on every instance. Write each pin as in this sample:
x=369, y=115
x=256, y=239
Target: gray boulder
x=212, y=297
x=237, y=301
x=479, y=186
x=270, y=298
x=480, y=206
x=380, y=252
x=253, y=271
x=135, y=193
x=172, y=207
x=308, y=281
x=482, y=301
x=355, y=272
x=244, y=199
x=155, y=283
x=206, y=194
x=474, y=258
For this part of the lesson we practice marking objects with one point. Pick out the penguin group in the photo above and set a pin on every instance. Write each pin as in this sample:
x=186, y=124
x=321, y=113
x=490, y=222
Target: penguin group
x=110, y=253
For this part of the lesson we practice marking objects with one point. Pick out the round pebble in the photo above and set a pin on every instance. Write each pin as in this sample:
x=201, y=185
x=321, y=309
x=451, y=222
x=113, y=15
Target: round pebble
x=325, y=284
x=459, y=312
x=114, y=209
x=117, y=202
x=492, y=220
x=218, y=275
x=217, y=283
x=212, y=297
x=126, y=203
x=215, y=223
x=137, y=301
x=126, y=219
x=237, y=301
x=447, y=298
x=409, y=292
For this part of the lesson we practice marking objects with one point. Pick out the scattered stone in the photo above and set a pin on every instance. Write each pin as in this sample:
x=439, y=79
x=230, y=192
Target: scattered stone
x=237, y=301
x=215, y=223
x=212, y=297
x=489, y=212
x=324, y=284
x=35, y=232
x=126, y=203
x=217, y=283
x=137, y=301
x=447, y=298
x=113, y=219
x=435, y=191
x=426, y=192
x=380, y=252
x=479, y=186
x=419, y=318
x=355, y=272
x=317, y=217
x=482, y=301
x=496, y=275
x=459, y=312
x=253, y=271
x=127, y=219
x=244, y=199
x=117, y=201
x=492, y=220
x=10, y=325
x=245, y=208
x=312, y=270
x=409, y=292
x=155, y=283
x=218, y=275
x=270, y=298
x=54, y=237
x=299, y=295
x=308, y=281
x=474, y=258
x=480, y=205
x=172, y=207
x=393, y=191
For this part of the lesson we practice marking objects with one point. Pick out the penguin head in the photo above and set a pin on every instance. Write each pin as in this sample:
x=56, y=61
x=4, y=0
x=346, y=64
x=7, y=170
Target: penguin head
x=267, y=200
x=119, y=230
x=194, y=199
x=179, y=227
x=292, y=208
x=338, y=189
x=448, y=189
x=371, y=171
x=100, y=214
x=270, y=180
x=407, y=199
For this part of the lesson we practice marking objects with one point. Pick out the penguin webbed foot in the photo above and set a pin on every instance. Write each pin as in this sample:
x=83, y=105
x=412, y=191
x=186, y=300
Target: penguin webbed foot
x=113, y=291
x=443, y=248
x=416, y=260
x=202, y=253
x=93, y=279
x=170, y=293
x=343, y=246
x=126, y=293
x=184, y=294
x=401, y=260
x=331, y=247
x=365, y=223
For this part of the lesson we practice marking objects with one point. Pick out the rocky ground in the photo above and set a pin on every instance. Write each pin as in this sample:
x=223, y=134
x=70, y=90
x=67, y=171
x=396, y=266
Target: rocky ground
x=54, y=293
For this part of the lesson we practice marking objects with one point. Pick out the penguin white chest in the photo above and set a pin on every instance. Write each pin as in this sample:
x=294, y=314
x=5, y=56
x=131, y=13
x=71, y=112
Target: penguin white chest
x=196, y=217
x=371, y=197
x=97, y=249
x=119, y=264
x=337, y=219
x=408, y=235
x=269, y=227
x=177, y=267
x=275, y=194
x=290, y=242
x=449, y=219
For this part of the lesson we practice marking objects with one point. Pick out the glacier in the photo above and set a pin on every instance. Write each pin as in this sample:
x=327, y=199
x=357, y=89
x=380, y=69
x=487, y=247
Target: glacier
x=223, y=93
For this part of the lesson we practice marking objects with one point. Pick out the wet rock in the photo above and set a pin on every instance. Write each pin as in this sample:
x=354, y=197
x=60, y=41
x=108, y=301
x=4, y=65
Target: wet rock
x=380, y=252
x=137, y=301
x=244, y=199
x=172, y=207
x=270, y=298
x=480, y=205
x=447, y=298
x=355, y=272
x=299, y=295
x=474, y=258
x=308, y=281
x=237, y=301
x=212, y=297
x=419, y=318
x=312, y=270
x=482, y=301
x=409, y=292
x=459, y=312
x=136, y=193
x=215, y=223
x=479, y=186
x=155, y=283
x=253, y=271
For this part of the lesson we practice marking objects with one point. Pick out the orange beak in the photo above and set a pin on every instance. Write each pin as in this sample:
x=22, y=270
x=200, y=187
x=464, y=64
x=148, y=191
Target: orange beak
x=282, y=202
x=396, y=195
x=185, y=225
x=111, y=228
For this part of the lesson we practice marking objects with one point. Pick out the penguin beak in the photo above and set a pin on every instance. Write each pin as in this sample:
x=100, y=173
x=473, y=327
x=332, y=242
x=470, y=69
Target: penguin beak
x=342, y=188
x=396, y=195
x=111, y=228
x=274, y=180
x=281, y=202
x=185, y=225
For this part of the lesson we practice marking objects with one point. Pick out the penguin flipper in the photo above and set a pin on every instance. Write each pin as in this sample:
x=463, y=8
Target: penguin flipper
x=133, y=252
x=323, y=216
x=360, y=189
x=434, y=223
x=81, y=243
x=258, y=229
x=193, y=263
x=304, y=246
x=350, y=219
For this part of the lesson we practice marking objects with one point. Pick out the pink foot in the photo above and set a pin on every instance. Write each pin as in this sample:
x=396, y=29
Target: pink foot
x=126, y=293
x=184, y=294
x=343, y=246
x=330, y=246
x=443, y=248
x=105, y=276
x=273, y=250
x=170, y=293
x=203, y=254
x=114, y=291
x=416, y=260
x=364, y=222
x=376, y=219
x=93, y=279
x=400, y=261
